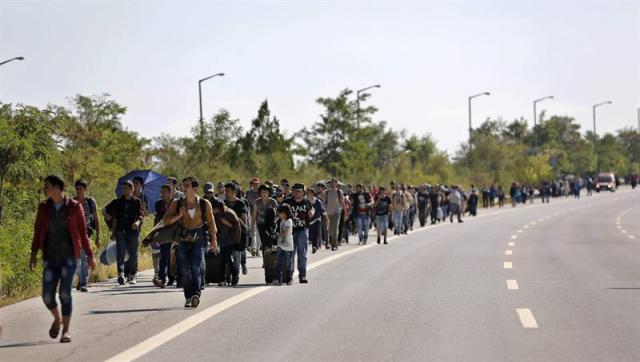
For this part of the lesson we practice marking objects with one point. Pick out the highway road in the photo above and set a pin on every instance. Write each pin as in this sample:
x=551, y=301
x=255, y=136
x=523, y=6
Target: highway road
x=553, y=282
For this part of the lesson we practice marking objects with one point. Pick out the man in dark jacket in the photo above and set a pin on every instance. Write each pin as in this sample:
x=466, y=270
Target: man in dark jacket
x=228, y=226
x=361, y=204
x=127, y=212
x=60, y=234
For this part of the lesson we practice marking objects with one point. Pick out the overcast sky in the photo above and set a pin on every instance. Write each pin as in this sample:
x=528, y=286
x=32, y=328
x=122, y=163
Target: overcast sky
x=428, y=56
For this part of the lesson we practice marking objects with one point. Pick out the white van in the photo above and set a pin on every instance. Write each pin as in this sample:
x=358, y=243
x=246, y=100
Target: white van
x=606, y=181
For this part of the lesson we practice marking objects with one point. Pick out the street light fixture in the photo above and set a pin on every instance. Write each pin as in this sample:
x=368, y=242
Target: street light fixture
x=470, y=126
x=12, y=59
x=595, y=135
x=358, y=100
x=200, y=90
x=535, y=120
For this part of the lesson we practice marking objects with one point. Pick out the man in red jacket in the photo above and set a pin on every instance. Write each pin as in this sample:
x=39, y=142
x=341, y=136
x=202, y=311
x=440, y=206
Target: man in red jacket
x=60, y=233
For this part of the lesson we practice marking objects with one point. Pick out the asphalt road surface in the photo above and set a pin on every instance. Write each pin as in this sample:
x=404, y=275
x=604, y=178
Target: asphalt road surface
x=553, y=282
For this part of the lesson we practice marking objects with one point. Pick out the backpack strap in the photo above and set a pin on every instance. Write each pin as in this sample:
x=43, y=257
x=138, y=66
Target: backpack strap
x=203, y=212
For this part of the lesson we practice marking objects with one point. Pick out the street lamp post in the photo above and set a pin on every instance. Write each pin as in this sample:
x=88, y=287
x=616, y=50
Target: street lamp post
x=535, y=121
x=200, y=91
x=470, y=125
x=358, y=100
x=595, y=135
x=12, y=59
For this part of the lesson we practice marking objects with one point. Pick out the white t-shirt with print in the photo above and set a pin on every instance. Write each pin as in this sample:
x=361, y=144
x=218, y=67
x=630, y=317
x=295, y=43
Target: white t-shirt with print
x=286, y=242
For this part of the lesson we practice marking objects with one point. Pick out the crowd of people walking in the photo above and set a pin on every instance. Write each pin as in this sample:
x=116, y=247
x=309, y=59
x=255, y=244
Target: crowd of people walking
x=204, y=233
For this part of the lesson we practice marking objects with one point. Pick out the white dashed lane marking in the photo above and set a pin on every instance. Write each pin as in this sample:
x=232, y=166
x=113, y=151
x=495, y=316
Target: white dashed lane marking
x=508, y=252
x=512, y=284
x=526, y=318
x=508, y=265
x=511, y=243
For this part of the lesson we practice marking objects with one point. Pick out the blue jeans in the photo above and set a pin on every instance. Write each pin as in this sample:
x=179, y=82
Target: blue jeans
x=382, y=223
x=191, y=254
x=300, y=245
x=62, y=273
x=83, y=269
x=127, y=241
x=285, y=260
x=165, y=255
x=397, y=222
x=362, y=224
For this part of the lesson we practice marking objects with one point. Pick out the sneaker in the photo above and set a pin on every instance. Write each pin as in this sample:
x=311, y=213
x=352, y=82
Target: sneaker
x=385, y=242
x=132, y=281
x=156, y=282
x=187, y=303
x=121, y=280
x=235, y=280
x=84, y=289
x=129, y=278
x=313, y=250
x=378, y=240
x=333, y=248
x=303, y=280
x=244, y=270
x=195, y=301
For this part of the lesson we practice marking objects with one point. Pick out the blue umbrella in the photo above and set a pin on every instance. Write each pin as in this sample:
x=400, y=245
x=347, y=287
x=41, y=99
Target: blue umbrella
x=153, y=181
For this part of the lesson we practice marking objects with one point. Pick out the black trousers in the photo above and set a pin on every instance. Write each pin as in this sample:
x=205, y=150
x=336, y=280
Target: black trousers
x=226, y=252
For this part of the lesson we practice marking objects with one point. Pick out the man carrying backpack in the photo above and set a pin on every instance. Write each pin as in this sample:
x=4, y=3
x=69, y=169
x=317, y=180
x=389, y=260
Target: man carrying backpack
x=93, y=227
x=198, y=226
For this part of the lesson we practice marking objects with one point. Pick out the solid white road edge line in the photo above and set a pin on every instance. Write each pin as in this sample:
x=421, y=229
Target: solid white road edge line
x=174, y=331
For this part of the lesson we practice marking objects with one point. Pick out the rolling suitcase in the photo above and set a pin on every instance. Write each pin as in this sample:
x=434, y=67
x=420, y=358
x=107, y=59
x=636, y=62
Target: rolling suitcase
x=270, y=260
x=214, y=268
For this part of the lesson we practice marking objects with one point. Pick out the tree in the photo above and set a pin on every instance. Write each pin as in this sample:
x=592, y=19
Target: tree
x=26, y=146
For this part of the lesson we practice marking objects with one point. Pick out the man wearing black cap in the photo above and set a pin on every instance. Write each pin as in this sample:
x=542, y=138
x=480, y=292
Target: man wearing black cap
x=302, y=211
x=127, y=212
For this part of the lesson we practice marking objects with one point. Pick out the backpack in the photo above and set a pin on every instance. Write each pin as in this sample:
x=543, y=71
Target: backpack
x=91, y=224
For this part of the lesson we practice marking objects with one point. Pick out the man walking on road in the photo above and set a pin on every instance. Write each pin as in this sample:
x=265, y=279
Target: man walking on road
x=302, y=212
x=398, y=207
x=382, y=209
x=361, y=208
x=455, y=203
x=127, y=213
x=60, y=234
x=334, y=203
x=318, y=221
x=90, y=209
x=195, y=215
